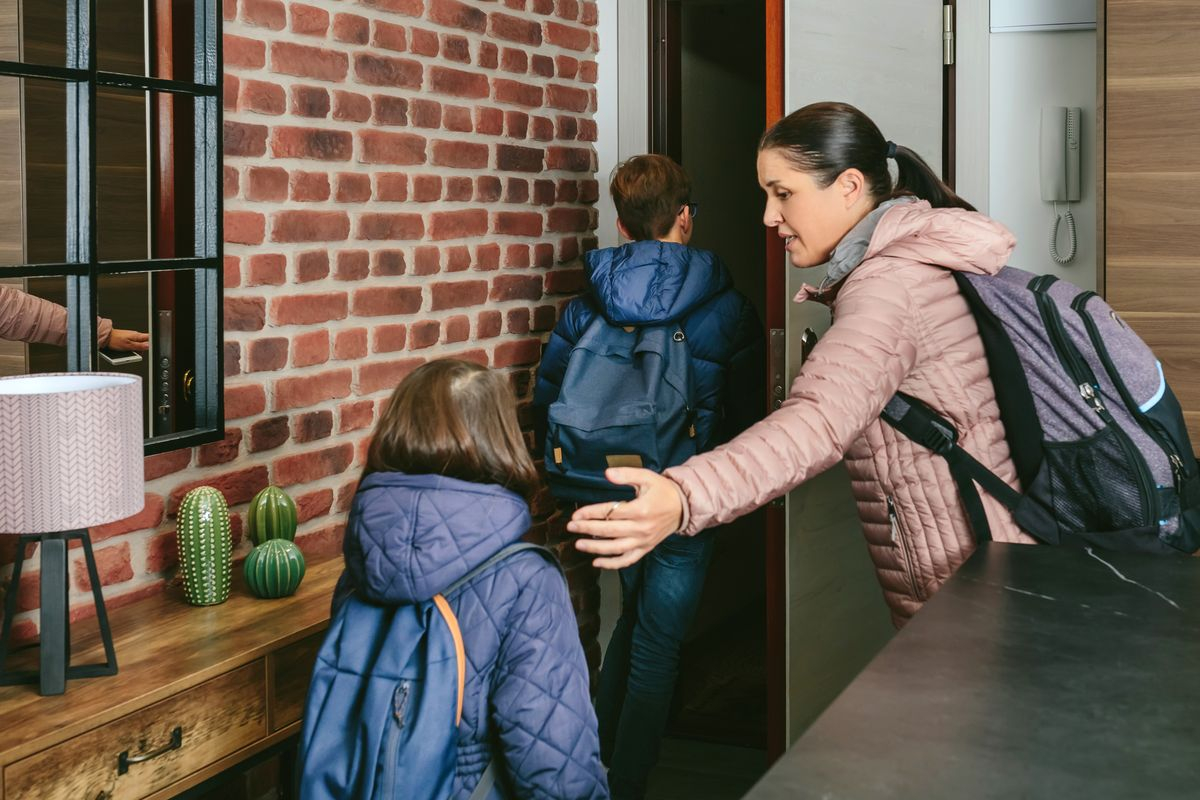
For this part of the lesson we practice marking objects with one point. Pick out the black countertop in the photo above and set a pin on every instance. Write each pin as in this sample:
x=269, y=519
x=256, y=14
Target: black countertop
x=1036, y=672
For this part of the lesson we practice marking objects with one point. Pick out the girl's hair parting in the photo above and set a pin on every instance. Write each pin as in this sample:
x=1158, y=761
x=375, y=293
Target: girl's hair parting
x=454, y=418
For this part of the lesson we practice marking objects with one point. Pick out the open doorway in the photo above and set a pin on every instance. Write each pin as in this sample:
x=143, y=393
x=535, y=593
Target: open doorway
x=707, y=106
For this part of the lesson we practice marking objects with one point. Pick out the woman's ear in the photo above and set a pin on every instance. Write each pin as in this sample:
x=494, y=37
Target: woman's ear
x=852, y=185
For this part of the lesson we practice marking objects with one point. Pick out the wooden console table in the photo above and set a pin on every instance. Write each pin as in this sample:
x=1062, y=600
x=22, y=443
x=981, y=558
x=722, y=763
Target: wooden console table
x=199, y=691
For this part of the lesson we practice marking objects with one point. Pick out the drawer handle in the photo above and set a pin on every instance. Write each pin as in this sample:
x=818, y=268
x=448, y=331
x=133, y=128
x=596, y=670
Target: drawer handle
x=124, y=760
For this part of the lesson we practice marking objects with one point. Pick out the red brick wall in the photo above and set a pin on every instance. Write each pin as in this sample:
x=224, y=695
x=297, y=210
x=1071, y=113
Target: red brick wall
x=404, y=180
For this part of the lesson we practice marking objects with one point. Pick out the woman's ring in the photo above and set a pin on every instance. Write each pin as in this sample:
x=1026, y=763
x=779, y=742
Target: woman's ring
x=616, y=504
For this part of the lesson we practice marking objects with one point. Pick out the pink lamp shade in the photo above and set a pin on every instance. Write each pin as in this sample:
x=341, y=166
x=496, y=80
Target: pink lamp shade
x=70, y=451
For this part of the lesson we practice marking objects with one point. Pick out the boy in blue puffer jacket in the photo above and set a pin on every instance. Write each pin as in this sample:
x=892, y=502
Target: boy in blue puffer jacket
x=657, y=279
x=446, y=486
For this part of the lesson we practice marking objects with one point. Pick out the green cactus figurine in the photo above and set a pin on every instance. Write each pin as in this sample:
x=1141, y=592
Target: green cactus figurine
x=272, y=515
x=274, y=569
x=205, y=546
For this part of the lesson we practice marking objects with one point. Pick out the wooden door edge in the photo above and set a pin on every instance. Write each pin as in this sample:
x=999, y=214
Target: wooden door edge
x=776, y=519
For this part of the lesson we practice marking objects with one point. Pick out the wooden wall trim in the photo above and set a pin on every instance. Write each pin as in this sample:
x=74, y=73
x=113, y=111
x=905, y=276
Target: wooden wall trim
x=1150, y=179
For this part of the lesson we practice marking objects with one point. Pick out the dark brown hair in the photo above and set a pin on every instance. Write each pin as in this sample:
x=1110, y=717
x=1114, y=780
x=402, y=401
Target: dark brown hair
x=454, y=418
x=826, y=139
x=648, y=192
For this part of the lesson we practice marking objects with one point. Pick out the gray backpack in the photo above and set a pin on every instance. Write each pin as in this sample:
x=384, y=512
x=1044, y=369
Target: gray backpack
x=1095, y=432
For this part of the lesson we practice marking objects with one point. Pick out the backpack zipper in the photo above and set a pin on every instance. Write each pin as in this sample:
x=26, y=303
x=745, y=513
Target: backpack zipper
x=898, y=539
x=1073, y=364
x=1148, y=425
x=399, y=707
x=1078, y=370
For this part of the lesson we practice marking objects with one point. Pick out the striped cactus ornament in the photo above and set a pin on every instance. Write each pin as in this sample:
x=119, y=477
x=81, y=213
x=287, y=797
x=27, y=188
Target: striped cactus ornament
x=274, y=569
x=205, y=546
x=272, y=515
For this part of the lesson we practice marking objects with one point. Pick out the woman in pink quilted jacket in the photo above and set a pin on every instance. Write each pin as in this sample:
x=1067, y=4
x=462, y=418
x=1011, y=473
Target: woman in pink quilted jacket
x=899, y=323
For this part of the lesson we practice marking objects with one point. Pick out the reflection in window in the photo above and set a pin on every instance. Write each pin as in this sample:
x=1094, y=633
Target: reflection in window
x=155, y=302
x=33, y=325
x=144, y=259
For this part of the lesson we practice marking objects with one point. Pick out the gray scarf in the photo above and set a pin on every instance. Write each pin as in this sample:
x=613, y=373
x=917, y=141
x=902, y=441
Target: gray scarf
x=852, y=248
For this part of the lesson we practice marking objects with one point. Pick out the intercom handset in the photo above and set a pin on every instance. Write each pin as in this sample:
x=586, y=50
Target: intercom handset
x=1060, y=150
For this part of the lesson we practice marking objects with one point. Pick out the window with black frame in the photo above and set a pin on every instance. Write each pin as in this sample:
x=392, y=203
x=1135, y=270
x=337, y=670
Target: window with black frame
x=110, y=201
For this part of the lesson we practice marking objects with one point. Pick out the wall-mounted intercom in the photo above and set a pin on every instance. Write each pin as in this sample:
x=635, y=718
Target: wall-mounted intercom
x=1060, y=148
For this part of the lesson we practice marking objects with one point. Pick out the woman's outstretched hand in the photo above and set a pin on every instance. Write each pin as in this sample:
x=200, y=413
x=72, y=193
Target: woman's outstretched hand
x=129, y=340
x=628, y=530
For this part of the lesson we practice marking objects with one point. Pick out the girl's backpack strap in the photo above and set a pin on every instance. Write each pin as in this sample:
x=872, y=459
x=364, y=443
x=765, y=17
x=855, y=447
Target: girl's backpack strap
x=460, y=650
x=488, y=779
x=504, y=553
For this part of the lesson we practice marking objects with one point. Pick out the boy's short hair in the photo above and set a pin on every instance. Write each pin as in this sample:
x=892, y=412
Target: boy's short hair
x=648, y=192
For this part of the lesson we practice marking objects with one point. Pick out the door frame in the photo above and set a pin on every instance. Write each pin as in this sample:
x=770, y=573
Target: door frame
x=664, y=115
x=776, y=319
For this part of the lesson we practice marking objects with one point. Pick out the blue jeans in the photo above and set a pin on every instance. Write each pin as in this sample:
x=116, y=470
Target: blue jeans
x=659, y=596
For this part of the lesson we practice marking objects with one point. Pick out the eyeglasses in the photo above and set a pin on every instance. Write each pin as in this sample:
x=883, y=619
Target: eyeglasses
x=694, y=208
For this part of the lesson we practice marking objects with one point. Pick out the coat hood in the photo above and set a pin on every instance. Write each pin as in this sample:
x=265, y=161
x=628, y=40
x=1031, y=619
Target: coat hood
x=409, y=537
x=653, y=282
x=908, y=228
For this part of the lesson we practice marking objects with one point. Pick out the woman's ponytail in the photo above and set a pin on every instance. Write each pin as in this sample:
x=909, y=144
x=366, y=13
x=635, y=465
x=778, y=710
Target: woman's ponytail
x=917, y=178
x=826, y=139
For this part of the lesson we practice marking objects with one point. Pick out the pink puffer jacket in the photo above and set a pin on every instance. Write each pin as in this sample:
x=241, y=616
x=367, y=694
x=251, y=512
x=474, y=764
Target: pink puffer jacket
x=899, y=322
x=28, y=318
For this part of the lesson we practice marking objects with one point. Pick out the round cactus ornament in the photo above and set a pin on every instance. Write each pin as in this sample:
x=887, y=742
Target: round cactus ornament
x=205, y=546
x=274, y=569
x=272, y=515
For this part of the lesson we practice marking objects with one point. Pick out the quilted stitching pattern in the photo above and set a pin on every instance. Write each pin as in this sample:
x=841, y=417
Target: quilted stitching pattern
x=900, y=323
x=526, y=697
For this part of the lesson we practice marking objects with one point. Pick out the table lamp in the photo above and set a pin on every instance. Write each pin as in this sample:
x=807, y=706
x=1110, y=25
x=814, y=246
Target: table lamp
x=70, y=458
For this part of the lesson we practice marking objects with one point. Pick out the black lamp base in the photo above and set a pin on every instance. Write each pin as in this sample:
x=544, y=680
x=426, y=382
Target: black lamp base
x=55, y=655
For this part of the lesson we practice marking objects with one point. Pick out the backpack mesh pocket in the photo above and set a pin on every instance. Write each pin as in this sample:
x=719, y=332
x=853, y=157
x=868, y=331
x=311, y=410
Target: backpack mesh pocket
x=1095, y=484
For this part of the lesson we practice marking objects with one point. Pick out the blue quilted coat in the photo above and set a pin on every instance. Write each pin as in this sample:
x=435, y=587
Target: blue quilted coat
x=526, y=702
x=652, y=282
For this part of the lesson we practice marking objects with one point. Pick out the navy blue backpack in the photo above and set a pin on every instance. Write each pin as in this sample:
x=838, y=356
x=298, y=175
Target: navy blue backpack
x=627, y=400
x=382, y=714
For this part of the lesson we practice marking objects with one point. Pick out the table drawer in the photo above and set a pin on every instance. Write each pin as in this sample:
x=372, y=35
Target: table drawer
x=214, y=719
x=291, y=670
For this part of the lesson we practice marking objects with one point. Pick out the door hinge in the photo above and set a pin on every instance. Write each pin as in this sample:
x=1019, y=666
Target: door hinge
x=947, y=35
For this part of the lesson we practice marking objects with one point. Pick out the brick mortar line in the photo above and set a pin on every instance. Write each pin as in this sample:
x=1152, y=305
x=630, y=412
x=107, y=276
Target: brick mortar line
x=350, y=49
x=292, y=163
x=425, y=23
x=497, y=305
x=287, y=120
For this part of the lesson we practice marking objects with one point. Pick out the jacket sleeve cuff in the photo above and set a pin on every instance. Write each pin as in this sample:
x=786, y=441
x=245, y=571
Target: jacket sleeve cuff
x=685, y=515
x=104, y=329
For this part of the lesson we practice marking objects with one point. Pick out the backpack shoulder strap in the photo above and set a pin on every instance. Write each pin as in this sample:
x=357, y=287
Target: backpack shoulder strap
x=443, y=607
x=926, y=427
x=460, y=650
x=501, y=555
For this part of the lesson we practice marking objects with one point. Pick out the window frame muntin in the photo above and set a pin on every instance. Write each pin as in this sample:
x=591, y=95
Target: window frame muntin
x=82, y=268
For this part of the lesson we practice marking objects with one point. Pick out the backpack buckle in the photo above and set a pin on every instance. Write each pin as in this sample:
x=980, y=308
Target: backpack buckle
x=939, y=438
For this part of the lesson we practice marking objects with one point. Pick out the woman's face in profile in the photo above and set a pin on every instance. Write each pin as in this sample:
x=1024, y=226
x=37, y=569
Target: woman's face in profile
x=811, y=219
